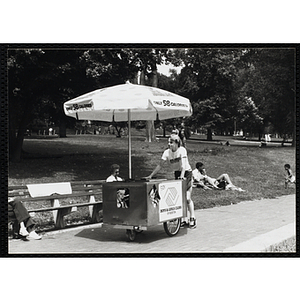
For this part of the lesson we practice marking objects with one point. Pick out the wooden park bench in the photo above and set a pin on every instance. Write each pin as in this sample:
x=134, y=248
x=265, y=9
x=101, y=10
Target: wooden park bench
x=86, y=191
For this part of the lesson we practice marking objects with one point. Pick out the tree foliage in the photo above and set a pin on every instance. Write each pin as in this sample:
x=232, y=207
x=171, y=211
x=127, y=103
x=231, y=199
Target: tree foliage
x=207, y=80
x=252, y=88
x=41, y=80
x=270, y=81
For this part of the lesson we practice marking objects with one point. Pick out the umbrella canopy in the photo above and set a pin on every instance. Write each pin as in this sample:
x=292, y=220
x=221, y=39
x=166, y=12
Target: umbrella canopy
x=128, y=102
x=112, y=104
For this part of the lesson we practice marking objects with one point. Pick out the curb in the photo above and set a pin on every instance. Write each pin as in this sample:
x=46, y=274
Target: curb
x=266, y=240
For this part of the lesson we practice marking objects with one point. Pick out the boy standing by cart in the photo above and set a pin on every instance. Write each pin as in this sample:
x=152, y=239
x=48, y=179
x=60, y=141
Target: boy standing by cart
x=176, y=157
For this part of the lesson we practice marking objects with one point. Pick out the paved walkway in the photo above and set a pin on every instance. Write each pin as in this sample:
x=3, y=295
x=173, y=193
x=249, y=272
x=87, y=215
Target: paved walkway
x=250, y=226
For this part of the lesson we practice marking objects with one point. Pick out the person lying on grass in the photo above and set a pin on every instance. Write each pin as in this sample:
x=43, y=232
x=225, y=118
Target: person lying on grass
x=223, y=182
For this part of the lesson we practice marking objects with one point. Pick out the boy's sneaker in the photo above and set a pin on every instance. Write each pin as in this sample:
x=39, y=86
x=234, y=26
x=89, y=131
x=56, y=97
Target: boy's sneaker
x=193, y=223
x=183, y=224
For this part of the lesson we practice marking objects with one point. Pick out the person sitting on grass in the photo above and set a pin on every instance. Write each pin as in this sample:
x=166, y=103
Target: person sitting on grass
x=200, y=179
x=290, y=178
x=23, y=225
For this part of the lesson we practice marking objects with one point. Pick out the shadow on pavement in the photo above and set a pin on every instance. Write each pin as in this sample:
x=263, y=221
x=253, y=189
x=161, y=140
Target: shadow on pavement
x=107, y=234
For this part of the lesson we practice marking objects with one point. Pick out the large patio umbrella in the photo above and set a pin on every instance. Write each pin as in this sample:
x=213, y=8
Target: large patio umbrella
x=128, y=102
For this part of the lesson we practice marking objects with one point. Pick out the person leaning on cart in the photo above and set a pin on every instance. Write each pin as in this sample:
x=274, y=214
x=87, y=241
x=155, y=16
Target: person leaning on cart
x=176, y=157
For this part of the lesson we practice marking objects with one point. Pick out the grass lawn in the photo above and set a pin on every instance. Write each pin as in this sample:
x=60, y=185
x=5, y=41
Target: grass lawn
x=259, y=171
x=288, y=245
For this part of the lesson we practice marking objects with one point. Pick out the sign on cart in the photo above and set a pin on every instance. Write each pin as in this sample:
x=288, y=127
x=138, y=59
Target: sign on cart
x=170, y=204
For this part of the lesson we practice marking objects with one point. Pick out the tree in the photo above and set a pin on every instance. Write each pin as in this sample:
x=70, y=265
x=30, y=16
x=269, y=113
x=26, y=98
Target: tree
x=24, y=77
x=168, y=83
x=209, y=110
x=207, y=80
x=269, y=79
x=124, y=64
x=248, y=116
x=147, y=60
x=220, y=82
x=40, y=80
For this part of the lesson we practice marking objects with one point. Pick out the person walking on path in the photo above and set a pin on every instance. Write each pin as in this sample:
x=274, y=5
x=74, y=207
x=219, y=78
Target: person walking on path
x=176, y=157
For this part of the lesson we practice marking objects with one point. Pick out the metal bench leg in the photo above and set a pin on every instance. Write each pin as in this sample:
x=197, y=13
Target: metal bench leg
x=58, y=215
x=60, y=222
x=55, y=203
x=94, y=210
x=95, y=214
x=92, y=200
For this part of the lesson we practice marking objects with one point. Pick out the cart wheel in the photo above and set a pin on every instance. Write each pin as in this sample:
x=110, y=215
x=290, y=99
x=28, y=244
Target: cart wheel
x=138, y=230
x=172, y=227
x=131, y=234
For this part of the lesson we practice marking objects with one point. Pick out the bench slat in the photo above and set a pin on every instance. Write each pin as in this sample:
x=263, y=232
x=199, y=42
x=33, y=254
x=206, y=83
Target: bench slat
x=79, y=188
x=74, y=184
x=65, y=206
x=57, y=196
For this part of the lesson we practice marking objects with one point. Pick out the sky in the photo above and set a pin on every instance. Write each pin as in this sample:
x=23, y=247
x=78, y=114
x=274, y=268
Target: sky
x=165, y=69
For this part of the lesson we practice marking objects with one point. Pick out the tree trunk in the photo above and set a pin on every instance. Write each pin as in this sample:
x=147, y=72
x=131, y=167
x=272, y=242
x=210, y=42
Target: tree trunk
x=150, y=131
x=259, y=135
x=209, y=134
x=150, y=128
x=16, y=142
x=62, y=129
x=283, y=141
x=62, y=125
x=294, y=134
x=142, y=77
x=17, y=152
x=154, y=76
x=164, y=130
x=11, y=134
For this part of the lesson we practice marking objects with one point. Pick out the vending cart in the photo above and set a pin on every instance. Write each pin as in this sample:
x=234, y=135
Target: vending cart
x=138, y=205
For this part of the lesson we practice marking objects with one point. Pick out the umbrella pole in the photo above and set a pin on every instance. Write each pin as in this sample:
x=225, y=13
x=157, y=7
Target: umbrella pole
x=129, y=142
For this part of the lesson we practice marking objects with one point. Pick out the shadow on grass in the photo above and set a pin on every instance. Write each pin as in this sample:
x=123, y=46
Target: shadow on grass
x=73, y=167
